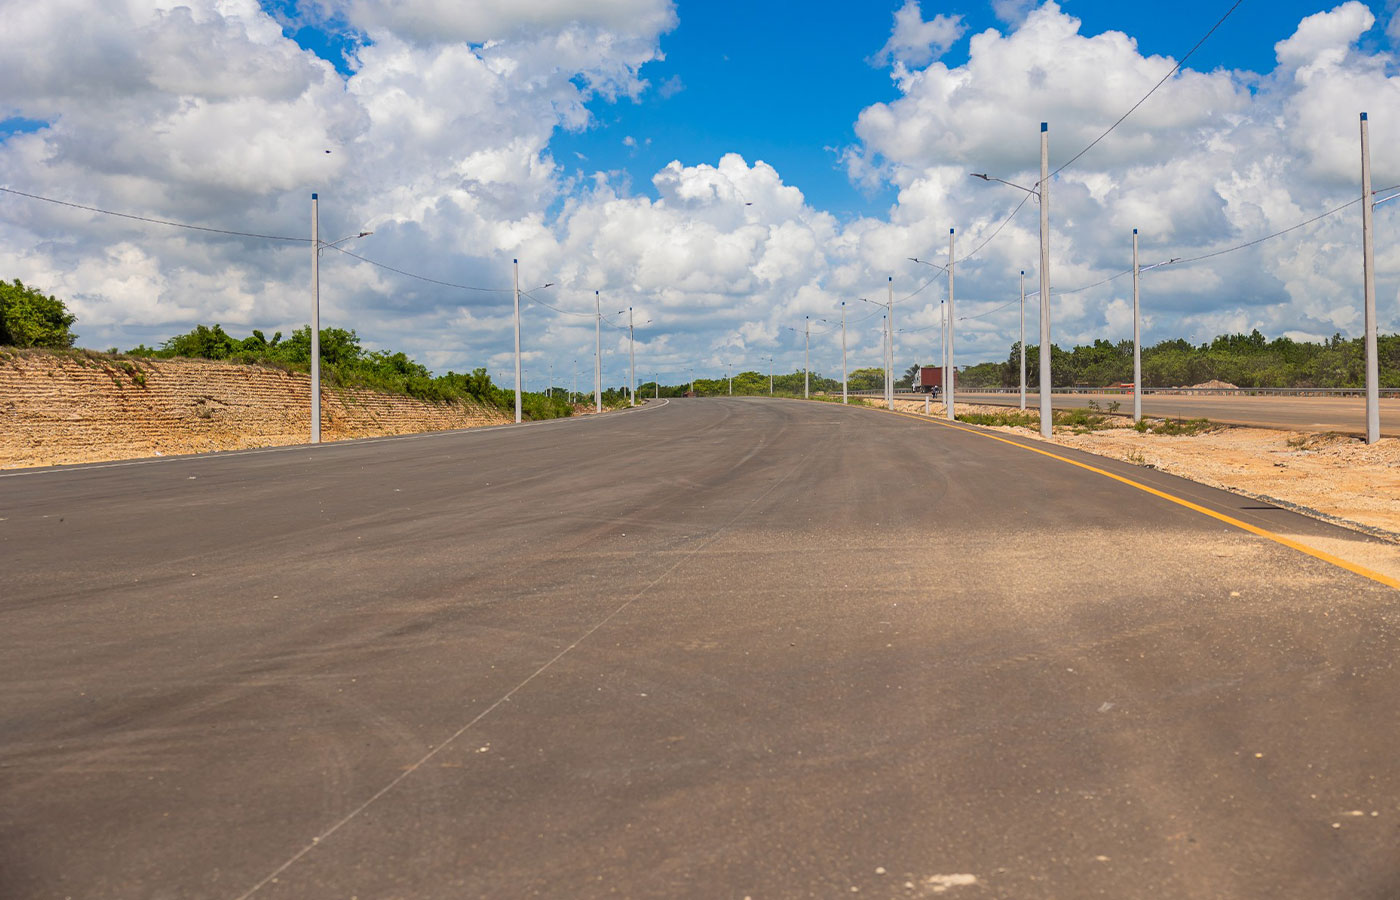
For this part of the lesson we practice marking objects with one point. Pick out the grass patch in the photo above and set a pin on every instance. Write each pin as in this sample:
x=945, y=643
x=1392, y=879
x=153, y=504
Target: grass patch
x=1176, y=427
x=1015, y=418
x=1311, y=441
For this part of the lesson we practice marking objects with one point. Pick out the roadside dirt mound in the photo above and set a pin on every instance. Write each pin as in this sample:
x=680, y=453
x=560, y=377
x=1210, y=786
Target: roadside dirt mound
x=69, y=408
x=1214, y=384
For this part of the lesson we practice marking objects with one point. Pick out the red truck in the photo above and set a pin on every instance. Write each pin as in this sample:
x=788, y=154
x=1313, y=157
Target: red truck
x=930, y=379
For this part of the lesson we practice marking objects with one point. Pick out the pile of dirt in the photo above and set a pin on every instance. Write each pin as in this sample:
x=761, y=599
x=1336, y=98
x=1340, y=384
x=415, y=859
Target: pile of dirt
x=1214, y=384
x=58, y=409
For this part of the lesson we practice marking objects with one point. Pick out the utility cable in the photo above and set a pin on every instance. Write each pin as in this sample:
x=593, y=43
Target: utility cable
x=533, y=299
x=992, y=236
x=122, y=215
x=1176, y=68
x=1214, y=253
x=380, y=265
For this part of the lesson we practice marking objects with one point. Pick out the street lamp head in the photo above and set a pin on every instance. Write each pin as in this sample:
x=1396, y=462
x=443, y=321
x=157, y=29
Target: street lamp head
x=362, y=233
x=982, y=175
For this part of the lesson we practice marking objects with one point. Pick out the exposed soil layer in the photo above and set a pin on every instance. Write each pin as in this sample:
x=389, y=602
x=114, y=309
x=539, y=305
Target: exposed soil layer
x=58, y=409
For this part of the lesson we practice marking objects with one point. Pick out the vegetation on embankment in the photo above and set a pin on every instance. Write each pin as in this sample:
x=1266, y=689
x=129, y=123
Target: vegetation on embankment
x=345, y=363
x=30, y=318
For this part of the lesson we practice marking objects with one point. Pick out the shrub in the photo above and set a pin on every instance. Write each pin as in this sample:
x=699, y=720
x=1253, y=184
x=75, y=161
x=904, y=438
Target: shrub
x=30, y=318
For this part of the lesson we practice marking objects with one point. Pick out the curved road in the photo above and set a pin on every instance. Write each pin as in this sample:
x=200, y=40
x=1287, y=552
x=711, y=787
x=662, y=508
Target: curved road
x=713, y=648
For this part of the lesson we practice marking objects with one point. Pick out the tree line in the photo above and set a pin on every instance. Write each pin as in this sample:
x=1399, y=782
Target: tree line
x=344, y=362
x=1247, y=360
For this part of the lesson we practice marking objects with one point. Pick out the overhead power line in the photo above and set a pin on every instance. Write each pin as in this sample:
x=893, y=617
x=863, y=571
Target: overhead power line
x=533, y=299
x=250, y=234
x=388, y=268
x=1176, y=68
x=167, y=222
x=992, y=236
x=1181, y=261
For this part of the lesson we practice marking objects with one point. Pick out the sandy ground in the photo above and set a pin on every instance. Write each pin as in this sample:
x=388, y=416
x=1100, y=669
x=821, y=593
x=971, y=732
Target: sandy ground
x=1330, y=476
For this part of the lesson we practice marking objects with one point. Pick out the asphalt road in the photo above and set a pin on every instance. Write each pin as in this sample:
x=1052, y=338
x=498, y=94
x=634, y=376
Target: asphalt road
x=1343, y=414
x=715, y=648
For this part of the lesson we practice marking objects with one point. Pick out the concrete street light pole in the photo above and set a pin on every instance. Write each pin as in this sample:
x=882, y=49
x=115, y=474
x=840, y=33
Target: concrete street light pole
x=1046, y=416
x=516, y=262
x=315, y=323
x=889, y=372
x=1368, y=264
x=597, y=352
x=807, y=361
x=943, y=344
x=1023, y=340
x=1137, y=337
x=845, y=393
x=885, y=349
x=950, y=374
x=632, y=357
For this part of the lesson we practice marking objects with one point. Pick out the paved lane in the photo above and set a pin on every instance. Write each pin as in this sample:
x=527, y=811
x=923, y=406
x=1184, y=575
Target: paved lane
x=714, y=648
x=1344, y=414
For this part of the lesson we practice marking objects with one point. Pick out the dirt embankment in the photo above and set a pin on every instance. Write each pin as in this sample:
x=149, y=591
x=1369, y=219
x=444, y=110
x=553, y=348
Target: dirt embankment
x=71, y=408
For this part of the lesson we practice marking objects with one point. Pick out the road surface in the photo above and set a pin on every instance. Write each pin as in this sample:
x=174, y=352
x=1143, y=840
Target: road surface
x=712, y=648
x=1344, y=414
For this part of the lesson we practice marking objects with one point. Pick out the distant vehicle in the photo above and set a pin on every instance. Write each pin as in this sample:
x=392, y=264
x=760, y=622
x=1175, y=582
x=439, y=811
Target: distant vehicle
x=929, y=380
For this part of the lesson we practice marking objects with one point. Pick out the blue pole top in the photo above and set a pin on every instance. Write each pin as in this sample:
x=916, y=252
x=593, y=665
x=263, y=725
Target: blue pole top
x=1134, y=231
x=1363, y=117
x=891, y=278
x=515, y=261
x=313, y=195
x=1023, y=271
x=950, y=231
x=1044, y=126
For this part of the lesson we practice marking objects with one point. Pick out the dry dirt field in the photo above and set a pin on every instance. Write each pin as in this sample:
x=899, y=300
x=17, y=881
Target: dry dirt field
x=1331, y=476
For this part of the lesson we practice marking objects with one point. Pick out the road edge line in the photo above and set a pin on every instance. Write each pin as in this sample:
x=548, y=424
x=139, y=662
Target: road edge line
x=1180, y=501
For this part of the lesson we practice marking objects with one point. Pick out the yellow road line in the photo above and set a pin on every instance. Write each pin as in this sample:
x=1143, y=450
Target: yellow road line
x=1180, y=501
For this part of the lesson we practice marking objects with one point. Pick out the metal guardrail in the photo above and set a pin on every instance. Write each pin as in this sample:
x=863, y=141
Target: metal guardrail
x=1183, y=391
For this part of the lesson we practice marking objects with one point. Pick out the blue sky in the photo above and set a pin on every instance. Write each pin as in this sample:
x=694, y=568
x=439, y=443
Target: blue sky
x=783, y=82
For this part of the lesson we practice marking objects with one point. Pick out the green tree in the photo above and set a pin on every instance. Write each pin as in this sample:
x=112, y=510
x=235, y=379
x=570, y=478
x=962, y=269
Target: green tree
x=202, y=343
x=866, y=379
x=31, y=318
